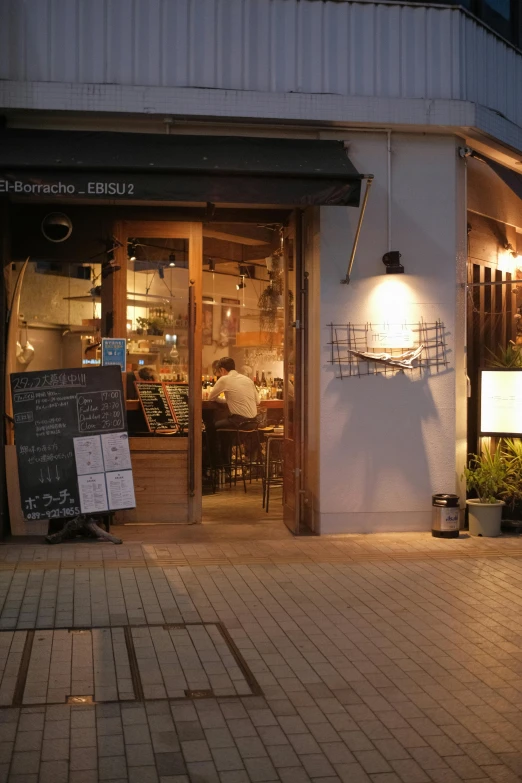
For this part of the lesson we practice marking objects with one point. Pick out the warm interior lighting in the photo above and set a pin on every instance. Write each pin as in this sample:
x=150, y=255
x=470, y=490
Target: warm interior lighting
x=507, y=259
x=131, y=250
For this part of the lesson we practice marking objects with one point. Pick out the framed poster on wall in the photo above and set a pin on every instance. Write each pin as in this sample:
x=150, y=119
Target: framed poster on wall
x=208, y=320
x=501, y=402
x=229, y=319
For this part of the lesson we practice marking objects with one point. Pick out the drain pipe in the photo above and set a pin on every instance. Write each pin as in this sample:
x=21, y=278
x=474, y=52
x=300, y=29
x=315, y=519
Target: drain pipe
x=389, y=177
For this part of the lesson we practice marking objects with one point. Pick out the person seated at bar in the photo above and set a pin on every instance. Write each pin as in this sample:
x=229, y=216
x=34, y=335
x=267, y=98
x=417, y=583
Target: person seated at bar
x=241, y=397
x=148, y=373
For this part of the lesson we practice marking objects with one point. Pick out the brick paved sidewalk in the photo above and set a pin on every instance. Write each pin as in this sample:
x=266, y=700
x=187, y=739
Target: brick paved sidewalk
x=383, y=659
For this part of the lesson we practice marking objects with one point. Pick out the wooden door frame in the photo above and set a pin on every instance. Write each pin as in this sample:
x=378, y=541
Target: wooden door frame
x=116, y=299
x=299, y=342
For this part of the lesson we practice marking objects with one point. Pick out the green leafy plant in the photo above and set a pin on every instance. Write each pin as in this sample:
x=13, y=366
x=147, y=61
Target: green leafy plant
x=510, y=356
x=512, y=456
x=270, y=300
x=142, y=324
x=489, y=476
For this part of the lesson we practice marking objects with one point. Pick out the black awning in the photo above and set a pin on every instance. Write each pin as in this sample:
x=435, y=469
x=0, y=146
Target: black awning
x=511, y=178
x=152, y=167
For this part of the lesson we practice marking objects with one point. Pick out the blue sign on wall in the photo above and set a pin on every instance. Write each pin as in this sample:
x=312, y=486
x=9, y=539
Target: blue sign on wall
x=114, y=351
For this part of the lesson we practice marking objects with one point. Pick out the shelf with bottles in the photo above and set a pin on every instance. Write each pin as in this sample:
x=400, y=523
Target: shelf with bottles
x=269, y=388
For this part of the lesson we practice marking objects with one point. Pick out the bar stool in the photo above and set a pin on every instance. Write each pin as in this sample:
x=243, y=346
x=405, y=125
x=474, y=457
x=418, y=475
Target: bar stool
x=273, y=466
x=209, y=469
x=239, y=438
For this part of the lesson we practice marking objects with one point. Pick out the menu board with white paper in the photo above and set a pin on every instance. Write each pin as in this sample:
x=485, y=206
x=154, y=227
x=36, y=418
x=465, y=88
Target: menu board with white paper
x=501, y=402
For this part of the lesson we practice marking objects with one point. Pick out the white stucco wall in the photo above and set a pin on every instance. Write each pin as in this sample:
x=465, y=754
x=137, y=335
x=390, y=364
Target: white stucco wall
x=388, y=442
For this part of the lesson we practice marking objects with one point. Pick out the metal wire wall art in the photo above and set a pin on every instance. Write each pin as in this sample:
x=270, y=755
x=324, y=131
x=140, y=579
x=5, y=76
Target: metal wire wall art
x=363, y=349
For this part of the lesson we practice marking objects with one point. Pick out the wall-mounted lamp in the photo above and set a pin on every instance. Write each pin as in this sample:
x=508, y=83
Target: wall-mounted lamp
x=241, y=285
x=172, y=259
x=211, y=265
x=392, y=263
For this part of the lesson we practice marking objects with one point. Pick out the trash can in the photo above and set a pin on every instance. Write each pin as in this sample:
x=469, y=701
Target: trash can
x=445, y=516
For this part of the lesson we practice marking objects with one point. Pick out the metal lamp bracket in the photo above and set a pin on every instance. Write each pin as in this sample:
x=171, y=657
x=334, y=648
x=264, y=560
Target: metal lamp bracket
x=369, y=182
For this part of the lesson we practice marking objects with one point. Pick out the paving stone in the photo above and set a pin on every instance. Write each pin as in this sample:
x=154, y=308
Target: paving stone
x=25, y=763
x=250, y=747
x=83, y=759
x=54, y=772
x=112, y=768
x=170, y=764
x=283, y=756
x=410, y=772
x=196, y=750
x=165, y=742
x=294, y=775
x=189, y=730
x=143, y=775
x=202, y=772
x=372, y=761
x=111, y=746
x=260, y=769
x=55, y=750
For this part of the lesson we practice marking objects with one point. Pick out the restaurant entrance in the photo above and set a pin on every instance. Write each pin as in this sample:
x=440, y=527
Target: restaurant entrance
x=185, y=295
x=190, y=249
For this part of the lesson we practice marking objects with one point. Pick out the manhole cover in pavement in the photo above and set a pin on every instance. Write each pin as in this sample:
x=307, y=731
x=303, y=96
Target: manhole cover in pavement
x=129, y=663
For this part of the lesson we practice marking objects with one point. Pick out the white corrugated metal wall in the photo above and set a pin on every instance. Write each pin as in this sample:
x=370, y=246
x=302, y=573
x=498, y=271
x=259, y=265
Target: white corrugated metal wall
x=304, y=46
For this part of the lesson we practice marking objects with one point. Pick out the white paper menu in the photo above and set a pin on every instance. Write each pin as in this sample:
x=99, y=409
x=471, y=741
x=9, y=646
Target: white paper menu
x=88, y=454
x=120, y=489
x=116, y=452
x=93, y=495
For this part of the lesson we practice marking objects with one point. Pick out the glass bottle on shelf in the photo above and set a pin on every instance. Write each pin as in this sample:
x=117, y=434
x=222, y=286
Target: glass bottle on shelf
x=256, y=379
x=263, y=380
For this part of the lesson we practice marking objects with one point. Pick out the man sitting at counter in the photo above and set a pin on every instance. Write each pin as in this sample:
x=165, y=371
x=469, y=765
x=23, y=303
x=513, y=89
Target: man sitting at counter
x=241, y=396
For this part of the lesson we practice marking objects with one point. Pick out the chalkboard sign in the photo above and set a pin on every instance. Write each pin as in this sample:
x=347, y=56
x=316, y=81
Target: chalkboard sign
x=155, y=405
x=178, y=398
x=61, y=417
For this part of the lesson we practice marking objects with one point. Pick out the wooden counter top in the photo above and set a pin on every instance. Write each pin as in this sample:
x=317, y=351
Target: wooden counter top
x=209, y=405
x=134, y=405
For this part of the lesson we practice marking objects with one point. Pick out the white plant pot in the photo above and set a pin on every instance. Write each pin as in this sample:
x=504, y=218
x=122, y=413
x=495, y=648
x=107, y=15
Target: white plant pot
x=484, y=518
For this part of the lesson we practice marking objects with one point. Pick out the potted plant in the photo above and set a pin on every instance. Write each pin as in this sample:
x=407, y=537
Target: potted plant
x=270, y=300
x=489, y=477
x=142, y=325
x=510, y=356
x=512, y=513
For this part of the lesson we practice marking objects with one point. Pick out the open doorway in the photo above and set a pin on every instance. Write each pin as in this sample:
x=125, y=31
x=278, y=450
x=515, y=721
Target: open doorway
x=183, y=294
x=243, y=319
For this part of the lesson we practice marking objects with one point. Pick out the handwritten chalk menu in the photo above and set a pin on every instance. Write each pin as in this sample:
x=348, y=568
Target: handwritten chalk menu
x=178, y=398
x=70, y=432
x=155, y=405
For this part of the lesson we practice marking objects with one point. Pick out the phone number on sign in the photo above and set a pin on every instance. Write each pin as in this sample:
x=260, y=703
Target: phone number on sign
x=55, y=513
x=59, y=188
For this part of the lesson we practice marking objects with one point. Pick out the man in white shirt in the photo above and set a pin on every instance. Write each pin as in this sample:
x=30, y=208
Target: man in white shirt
x=241, y=397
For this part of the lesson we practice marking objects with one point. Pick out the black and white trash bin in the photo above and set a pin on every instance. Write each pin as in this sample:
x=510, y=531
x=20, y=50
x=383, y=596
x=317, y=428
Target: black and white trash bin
x=445, y=516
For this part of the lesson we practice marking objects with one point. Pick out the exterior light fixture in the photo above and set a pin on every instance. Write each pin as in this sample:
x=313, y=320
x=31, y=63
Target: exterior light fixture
x=392, y=263
x=211, y=265
x=241, y=285
x=172, y=260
